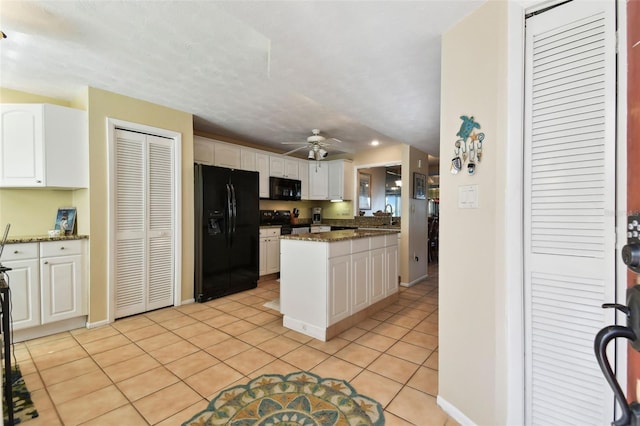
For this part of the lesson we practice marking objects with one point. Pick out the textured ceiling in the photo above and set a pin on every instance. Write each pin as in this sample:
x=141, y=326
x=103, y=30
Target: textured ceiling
x=264, y=72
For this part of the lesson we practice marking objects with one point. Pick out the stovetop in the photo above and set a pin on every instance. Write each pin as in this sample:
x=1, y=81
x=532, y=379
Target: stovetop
x=275, y=217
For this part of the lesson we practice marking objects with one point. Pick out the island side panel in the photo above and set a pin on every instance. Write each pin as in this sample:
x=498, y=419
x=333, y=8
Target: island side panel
x=303, y=286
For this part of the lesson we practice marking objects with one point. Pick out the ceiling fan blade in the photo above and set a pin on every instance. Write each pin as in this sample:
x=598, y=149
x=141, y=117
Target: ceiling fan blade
x=334, y=140
x=294, y=143
x=294, y=150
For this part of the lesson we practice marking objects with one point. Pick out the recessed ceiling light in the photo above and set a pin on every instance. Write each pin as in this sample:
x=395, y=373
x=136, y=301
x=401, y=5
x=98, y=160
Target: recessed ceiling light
x=375, y=143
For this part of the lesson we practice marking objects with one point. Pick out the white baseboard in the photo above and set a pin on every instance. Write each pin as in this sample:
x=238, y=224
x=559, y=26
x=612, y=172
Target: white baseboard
x=457, y=415
x=414, y=282
x=49, y=329
x=97, y=323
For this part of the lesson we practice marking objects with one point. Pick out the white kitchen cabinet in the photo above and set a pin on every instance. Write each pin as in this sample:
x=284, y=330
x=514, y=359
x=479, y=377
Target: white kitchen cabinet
x=303, y=175
x=269, y=251
x=248, y=159
x=339, y=288
x=43, y=145
x=284, y=167
x=360, y=280
x=323, y=283
x=391, y=255
x=226, y=155
x=318, y=180
x=203, y=150
x=24, y=283
x=377, y=287
x=262, y=167
x=61, y=282
x=48, y=288
x=340, y=180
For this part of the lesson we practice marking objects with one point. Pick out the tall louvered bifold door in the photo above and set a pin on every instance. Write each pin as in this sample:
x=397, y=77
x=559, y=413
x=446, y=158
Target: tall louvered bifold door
x=144, y=223
x=569, y=193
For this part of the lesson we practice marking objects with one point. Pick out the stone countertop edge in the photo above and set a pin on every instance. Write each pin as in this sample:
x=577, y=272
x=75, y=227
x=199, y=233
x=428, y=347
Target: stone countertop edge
x=44, y=238
x=332, y=236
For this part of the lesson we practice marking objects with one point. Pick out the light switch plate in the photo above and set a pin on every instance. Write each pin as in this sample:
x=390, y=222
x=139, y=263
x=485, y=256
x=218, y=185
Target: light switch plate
x=468, y=196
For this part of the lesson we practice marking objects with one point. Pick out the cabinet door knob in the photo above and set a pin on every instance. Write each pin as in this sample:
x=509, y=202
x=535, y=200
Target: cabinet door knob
x=62, y=248
x=16, y=251
x=38, y=181
x=46, y=262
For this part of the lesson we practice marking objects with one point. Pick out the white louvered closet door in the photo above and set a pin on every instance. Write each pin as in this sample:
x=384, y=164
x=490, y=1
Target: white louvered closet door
x=144, y=258
x=569, y=203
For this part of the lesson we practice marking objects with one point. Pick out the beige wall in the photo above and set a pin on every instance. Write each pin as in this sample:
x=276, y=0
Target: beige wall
x=32, y=211
x=103, y=105
x=413, y=246
x=471, y=269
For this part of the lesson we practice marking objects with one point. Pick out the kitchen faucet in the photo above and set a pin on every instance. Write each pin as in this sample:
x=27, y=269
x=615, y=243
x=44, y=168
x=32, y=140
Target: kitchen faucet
x=391, y=213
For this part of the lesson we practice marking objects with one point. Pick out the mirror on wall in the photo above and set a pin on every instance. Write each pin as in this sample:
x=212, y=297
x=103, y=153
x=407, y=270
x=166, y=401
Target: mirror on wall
x=380, y=188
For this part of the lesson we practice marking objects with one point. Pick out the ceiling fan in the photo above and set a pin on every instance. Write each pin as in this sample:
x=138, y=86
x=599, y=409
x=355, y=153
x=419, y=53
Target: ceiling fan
x=316, y=144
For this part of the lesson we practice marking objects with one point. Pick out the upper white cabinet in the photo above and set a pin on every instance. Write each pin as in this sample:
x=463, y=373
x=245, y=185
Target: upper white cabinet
x=226, y=155
x=331, y=180
x=203, y=150
x=340, y=180
x=248, y=159
x=318, y=180
x=303, y=175
x=284, y=167
x=221, y=154
x=262, y=167
x=43, y=145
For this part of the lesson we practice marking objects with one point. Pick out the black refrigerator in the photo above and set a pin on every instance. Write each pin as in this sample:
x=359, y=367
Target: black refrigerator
x=226, y=231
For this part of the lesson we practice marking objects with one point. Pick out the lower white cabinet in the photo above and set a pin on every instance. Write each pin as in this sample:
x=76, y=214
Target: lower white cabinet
x=61, y=280
x=378, y=259
x=339, y=280
x=360, y=280
x=24, y=284
x=269, y=251
x=322, y=283
x=47, y=282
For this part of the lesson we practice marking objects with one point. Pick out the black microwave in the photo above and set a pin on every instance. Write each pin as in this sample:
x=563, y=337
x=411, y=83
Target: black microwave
x=284, y=189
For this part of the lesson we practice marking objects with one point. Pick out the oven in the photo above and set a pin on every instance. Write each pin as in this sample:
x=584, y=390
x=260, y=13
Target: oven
x=280, y=218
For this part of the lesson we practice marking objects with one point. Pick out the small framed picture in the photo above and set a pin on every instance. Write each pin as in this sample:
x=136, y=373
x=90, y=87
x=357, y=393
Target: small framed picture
x=66, y=220
x=419, y=186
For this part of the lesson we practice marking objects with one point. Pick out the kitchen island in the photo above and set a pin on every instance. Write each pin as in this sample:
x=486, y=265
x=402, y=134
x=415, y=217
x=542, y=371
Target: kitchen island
x=330, y=281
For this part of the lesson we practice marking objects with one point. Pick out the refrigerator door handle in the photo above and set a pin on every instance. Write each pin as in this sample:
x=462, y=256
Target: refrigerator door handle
x=229, y=215
x=233, y=208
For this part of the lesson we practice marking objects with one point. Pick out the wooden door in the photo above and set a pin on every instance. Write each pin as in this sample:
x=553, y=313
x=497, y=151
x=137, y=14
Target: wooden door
x=633, y=157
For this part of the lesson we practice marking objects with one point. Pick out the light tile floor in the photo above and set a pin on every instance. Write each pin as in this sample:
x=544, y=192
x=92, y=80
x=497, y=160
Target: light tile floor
x=162, y=367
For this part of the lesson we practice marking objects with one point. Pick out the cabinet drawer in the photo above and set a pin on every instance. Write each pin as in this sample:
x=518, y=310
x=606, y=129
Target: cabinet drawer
x=20, y=251
x=60, y=248
x=359, y=244
x=339, y=248
x=269, y=232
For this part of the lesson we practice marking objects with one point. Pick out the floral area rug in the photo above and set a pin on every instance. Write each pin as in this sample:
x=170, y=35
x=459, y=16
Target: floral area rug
x=23, y=408
x=300, y=399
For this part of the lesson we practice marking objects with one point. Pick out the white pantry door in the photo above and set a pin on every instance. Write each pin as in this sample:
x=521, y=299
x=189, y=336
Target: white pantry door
x=570, y=113
x=144, y=222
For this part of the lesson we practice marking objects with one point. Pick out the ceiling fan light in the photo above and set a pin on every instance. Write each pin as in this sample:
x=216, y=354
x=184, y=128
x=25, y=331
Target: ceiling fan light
x=322, y=153
x=312, y=155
